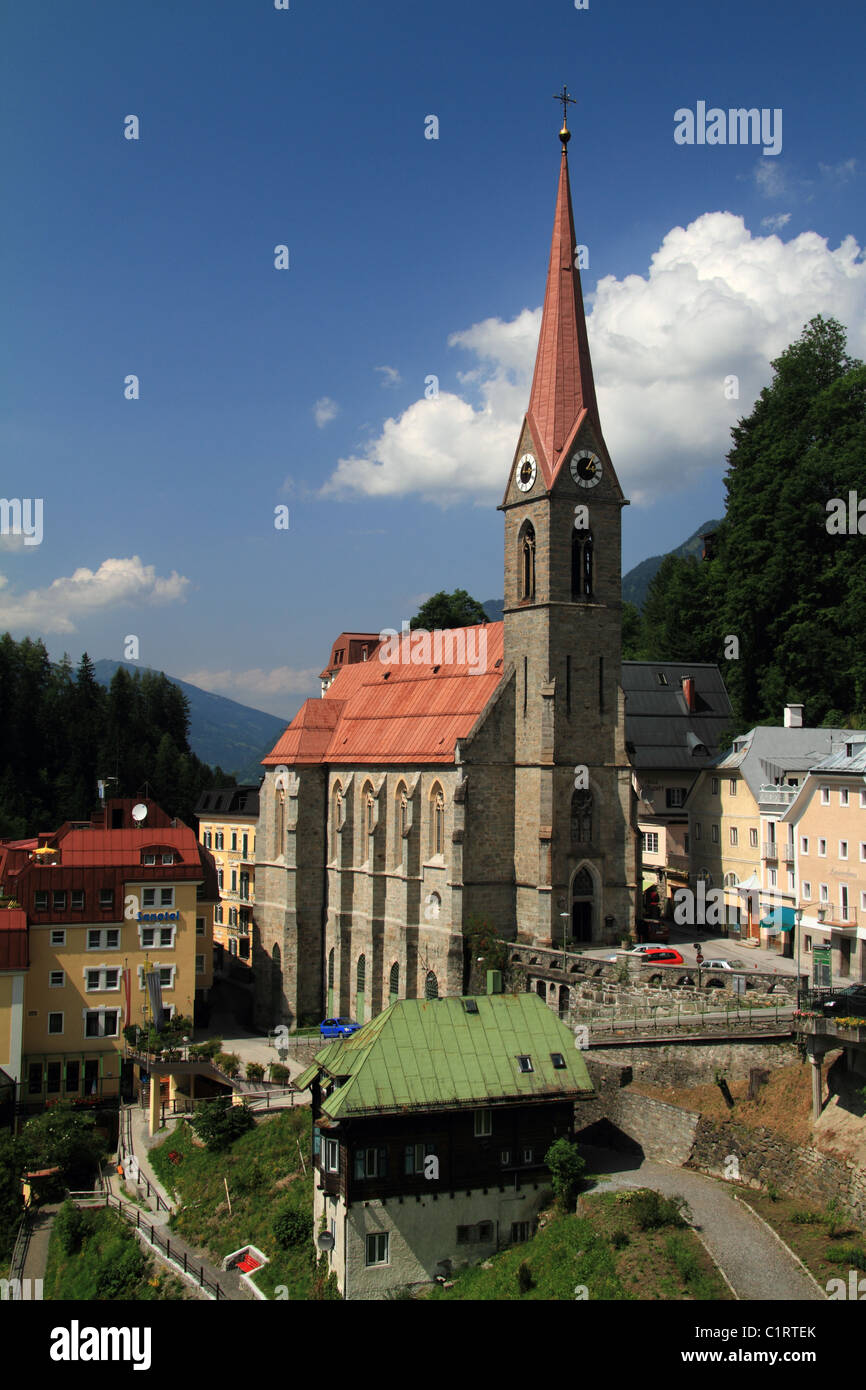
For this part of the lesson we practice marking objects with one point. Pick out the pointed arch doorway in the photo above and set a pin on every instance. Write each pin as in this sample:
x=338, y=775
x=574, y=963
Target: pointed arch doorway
x=582, y=905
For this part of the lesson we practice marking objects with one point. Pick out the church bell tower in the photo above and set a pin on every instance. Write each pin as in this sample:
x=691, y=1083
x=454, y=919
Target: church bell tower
x=575, y=827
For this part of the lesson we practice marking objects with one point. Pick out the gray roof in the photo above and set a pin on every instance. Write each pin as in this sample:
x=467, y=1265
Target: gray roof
x=659, y=729
x=767, y=753
x=230, y=801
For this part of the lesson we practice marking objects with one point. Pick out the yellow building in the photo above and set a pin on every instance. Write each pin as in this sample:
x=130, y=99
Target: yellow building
x=828, y=822
x=227, y=818
x=106, y=903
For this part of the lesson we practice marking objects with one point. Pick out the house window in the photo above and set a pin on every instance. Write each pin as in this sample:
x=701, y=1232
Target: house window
x=732, y=786
x=219, y=841
x=234, y=839
x=148, y=859
x=675, y=796
x=650, y=842
x=807, y=944
x=485, y=1232
x=234, y=887
x=528, y=1155
x=220, y=879
x=863, y=902
x=715, y=786
x=40, y=900
x=199, y=926
x=103, y=939
x=58, y=900
x=524, y=1063
x=77, y=900
x=377, y=1248
x=414, y=1157
x=807, y=890
x=558, y=1060
x=753, y=838
x=106, y=898
x=843, y=849
x=505, y=1157
x=218, y=913
x=714, y=834
x=823, y=893
x=100, y=1023
x=56, y=979
x=208, y=839
x=863, y=801
x=519, y=1232
x=55, y=1023
x=73, y=1073
x=34, y=1079
x=825, y=796
x=843, y=796
x=804, y=844
x=371, y=1163
x=58, y=937
x=771, y=877
x=52, y=1078
x=862, y=851
x=734, y=835
x=199, y=965
x=168, y=859
x=483, y=1124
x=822, y=849
x=332, y=1156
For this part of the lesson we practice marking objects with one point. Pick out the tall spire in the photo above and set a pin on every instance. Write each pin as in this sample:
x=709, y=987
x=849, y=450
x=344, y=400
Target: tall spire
x=563, y=390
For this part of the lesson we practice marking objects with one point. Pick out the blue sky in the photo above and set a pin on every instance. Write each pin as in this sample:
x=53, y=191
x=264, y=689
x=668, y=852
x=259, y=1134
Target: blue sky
x=408, y=257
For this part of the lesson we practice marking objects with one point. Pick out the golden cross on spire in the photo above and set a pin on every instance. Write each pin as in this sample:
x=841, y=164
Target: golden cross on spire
x=565, y=133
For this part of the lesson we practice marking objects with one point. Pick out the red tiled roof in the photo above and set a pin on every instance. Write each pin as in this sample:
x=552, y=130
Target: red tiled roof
x=124, y=847
x=563, y=390
x=375, y=712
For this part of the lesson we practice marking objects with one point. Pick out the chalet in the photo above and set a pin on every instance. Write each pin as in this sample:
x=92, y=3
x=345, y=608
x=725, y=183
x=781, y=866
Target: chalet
x=431, y=1126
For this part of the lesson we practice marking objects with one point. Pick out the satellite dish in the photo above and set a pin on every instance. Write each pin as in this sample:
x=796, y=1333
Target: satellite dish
x=139, y=813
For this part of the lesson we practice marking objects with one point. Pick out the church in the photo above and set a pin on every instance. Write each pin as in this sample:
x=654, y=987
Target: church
x=479, y=777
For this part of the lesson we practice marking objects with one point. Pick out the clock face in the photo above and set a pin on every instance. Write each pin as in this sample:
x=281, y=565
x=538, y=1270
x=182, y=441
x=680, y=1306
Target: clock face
x=586, y=469
x=526, y=471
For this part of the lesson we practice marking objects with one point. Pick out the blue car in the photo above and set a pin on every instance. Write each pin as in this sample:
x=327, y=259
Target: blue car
x=338, y=1027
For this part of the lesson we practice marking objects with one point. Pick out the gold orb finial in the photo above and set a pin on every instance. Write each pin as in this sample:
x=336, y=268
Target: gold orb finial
x=565, y=133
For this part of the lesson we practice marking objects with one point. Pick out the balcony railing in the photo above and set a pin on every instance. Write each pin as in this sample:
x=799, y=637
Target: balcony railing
x=770, y=849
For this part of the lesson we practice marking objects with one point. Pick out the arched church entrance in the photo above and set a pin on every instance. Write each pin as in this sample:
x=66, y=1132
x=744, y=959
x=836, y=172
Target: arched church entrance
x=582, y=902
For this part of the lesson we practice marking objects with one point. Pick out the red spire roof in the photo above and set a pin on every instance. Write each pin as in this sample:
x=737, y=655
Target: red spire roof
x=563, y=390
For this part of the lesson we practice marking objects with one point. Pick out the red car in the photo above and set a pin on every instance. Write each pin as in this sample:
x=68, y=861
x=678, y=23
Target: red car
x=661, y=955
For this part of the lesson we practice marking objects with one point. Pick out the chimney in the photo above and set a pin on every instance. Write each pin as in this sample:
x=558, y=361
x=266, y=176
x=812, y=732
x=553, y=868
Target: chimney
x=494, y=982
x=689, y=693
x=793, y=716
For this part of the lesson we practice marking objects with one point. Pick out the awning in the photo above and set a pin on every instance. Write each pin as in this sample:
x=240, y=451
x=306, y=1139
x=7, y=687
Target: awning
x=748, y=885
x=780, y=919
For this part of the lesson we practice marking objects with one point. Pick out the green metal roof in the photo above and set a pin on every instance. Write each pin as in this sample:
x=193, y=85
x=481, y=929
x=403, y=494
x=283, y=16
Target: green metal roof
x=430, y=1054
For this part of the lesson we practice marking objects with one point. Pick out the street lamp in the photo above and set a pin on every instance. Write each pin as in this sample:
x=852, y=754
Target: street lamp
x=798, y=918
x=564, y=916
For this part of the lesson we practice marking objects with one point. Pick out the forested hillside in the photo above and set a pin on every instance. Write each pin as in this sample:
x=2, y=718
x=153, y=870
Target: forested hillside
x=61, y=731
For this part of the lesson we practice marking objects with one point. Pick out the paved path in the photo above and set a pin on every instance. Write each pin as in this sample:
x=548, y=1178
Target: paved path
x=757, y=1266
x=36, y=1259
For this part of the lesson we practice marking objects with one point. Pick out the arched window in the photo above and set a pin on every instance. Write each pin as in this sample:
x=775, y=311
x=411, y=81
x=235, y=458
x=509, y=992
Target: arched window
x=431, y=986
x=369, y=809
x=281, y=822
x=437, y=820
x=581, y=817
x=581, y=565
x=331, y=968
x=394, y=981
x=401, y=821
x=527, y=561
x=336, y=817
x=361, y=977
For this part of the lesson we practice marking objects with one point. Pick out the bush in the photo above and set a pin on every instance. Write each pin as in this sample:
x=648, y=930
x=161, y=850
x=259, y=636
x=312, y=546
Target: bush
x=652, y=1210
x=279, y=1073
x=851, y=1255
x=70, y=1227
x=218, y=1123
x=566, y=1171
x=292, y=1227
x=619, y=1238
x=122, y=1265
x=525, y=1281
x=229, y=1062
x=255, y=1071
x=207, y=1049
x=63, y=1138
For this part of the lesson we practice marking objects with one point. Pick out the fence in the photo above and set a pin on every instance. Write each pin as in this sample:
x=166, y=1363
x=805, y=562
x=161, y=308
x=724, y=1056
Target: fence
x=126, y=1157
x=179, y=1257
x=19, y=1253
x=652, y=1019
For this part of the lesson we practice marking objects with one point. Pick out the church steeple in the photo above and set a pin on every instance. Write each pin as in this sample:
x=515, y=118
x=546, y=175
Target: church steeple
x=563, y=390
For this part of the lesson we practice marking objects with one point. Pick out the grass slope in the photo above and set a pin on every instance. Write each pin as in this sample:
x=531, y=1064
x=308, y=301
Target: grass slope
x=110, y=1265
x=264, y=1173
x=600, y=1249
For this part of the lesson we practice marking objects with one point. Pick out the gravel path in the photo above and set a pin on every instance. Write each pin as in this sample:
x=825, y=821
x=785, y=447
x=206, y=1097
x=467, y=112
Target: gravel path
x=757, y=1266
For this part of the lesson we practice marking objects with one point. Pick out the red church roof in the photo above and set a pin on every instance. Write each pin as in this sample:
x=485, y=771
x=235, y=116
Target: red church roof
x=405, y=710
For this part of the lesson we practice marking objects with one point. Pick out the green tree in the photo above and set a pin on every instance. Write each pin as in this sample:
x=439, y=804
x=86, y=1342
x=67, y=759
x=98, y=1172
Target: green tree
x=566, y=1172
x=448, y=610
x=218, y=1123
x=64, y=1138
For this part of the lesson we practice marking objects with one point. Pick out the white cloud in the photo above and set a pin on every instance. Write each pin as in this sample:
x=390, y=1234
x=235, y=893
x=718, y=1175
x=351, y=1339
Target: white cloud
x=770, y=178
x=324, y=411
x=716, y=301
x=257, y=684
x=390, y=376
x=115, y=583
x=840, y=173
x=777, y=221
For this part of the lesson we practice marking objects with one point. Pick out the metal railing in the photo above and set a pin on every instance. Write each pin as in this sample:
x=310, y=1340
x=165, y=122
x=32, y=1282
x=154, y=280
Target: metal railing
x=19, y=1252
x=179, y=1258
x=761, y=1018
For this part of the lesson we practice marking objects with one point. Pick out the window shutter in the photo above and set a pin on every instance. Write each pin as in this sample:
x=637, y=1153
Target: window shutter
x=409, y=1159
x=359, y=1163
x=383, y=1162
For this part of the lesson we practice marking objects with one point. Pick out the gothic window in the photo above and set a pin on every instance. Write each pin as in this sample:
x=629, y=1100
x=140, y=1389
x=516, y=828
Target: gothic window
x=331, y=968
x=336, y=817
x=527, y=561
x=581, y=817
x=369, y=808
x=431, y=986
x=361, y=981
x=437, y=820
x=401, y=821
x=281, y=821
x=394, y=980
x=581, y=565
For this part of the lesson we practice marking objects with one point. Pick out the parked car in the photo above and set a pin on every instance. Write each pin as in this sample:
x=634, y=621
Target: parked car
x=338, y=1027
x=851, y=1000
x=654, y=930
x=719, y=964
x=666, y=954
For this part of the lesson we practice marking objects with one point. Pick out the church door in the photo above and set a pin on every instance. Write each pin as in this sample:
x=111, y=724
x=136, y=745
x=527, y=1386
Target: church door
x=581, y=906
